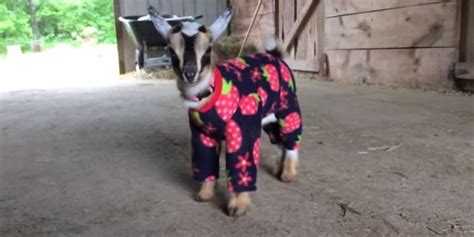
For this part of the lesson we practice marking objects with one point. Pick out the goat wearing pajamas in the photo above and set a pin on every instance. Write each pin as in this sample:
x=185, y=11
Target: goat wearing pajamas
x=246, y=90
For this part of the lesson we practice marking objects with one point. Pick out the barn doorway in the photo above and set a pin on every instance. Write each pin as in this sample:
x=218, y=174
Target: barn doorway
x=209, y=9
x=56, y=44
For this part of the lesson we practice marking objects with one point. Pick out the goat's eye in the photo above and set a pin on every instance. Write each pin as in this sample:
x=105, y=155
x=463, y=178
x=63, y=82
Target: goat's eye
x=176, y=29
x=202, y=29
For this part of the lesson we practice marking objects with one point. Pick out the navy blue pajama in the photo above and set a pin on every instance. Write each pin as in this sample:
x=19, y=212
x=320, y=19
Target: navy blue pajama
x=246, y=90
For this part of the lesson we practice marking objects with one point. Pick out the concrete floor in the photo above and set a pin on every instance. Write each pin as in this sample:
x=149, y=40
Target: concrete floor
x=114, y=161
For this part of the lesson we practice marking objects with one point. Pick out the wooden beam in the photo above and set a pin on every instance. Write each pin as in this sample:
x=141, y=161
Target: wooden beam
x=299, y=23
x=335, y=8
x=303, y=65
x=119, y=31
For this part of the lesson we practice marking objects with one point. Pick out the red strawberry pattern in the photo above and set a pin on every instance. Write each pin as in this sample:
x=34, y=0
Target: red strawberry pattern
x=239, y=63
x=263, y=95
x=256, y=153
x=249, y=104
x=207, y=141
x=246, y=89
x=285, y=72
x=228, y=101
x=271, y=74
x=290, y=123
x=233, y=136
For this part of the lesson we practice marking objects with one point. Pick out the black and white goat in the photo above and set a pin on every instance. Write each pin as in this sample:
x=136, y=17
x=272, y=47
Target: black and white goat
x=190, y=46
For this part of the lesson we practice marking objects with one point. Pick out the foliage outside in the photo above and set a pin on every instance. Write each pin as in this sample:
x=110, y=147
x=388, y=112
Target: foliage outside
x=69, y=21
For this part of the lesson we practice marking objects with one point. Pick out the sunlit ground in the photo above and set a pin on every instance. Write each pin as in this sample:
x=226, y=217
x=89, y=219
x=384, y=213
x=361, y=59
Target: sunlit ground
x=61, y=67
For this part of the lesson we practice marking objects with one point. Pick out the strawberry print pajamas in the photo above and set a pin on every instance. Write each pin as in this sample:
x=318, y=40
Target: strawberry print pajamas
x=246, y=90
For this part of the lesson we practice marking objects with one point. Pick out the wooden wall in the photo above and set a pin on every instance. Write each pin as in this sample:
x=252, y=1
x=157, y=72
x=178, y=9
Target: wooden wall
x=277, y=17
x=264, y=23
x=468, y=32
x=408, y=43
x=211, y=9
x=307, y=48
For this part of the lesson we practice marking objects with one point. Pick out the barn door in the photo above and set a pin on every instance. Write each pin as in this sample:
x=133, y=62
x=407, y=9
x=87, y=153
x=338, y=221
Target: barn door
x=300, y=26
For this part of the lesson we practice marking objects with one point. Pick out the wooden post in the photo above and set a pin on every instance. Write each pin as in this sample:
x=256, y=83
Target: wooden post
x=119, y=31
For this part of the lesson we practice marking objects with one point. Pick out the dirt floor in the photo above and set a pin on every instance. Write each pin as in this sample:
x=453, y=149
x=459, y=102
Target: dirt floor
x=114, y=161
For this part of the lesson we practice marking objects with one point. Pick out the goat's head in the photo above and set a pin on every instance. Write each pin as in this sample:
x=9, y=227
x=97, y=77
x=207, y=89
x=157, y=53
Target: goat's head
x=190, y=44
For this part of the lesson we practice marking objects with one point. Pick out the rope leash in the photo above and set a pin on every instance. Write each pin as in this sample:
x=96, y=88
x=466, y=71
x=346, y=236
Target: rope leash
x=250, y=27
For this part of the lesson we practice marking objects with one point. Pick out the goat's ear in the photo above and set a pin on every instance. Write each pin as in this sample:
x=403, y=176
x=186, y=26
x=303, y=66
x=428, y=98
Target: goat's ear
x=161, y=25
x=221, y=23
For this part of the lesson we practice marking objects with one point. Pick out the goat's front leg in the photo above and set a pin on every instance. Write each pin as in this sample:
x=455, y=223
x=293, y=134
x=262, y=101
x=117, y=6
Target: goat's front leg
x=242, y=160
x=239, y=204
x=206, y=192
x=205, y=158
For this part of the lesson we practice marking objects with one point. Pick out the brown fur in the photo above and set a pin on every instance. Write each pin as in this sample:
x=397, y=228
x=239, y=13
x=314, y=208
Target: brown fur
x=207, y=191
x=239, y=204
x=289, y=170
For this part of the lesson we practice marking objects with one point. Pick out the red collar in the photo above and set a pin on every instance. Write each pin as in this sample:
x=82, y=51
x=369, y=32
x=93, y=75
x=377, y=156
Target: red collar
x=217, y=81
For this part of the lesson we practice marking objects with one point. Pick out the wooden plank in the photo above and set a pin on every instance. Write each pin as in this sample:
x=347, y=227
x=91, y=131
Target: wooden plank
x=344, y=7
x=306, y=11
x=470, y=33
x=303, y=65
x=288, y=21
x=414, y=68
x=120, y=33
x=311, y=35
x=301, y=41
x=319, y=30
x=127, y=8
x=422, y=26
x=280, y=10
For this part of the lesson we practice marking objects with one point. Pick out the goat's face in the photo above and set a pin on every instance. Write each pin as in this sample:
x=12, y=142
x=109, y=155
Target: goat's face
x=190, y=44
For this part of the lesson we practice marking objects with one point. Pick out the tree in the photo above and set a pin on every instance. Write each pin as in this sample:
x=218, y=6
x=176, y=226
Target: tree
x=24, y=21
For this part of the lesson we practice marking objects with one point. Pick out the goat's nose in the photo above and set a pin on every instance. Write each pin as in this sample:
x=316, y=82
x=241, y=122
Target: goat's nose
x=189, y=72
x=190, y=75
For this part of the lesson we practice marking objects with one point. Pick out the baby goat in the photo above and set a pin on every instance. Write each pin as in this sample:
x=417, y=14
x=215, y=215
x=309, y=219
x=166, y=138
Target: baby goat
x=232, y=101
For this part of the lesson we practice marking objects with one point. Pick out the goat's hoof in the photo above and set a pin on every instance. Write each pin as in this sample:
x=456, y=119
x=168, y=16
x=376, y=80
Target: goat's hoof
x=206, y=193
x=239, y=204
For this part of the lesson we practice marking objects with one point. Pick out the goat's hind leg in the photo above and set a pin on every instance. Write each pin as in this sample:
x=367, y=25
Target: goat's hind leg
x=289, y=165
